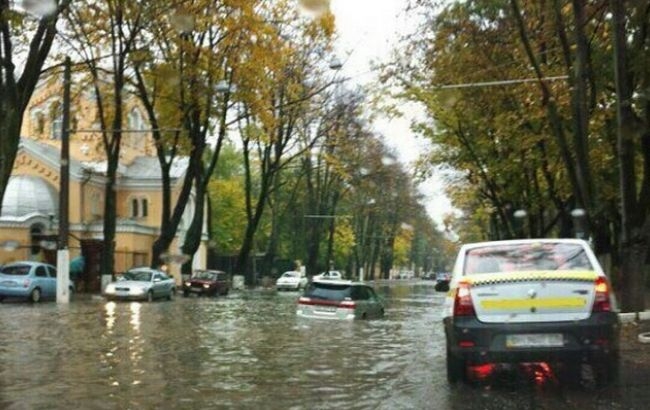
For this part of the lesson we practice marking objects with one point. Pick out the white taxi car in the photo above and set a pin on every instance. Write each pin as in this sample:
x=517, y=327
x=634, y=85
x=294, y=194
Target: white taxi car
x=531, y=300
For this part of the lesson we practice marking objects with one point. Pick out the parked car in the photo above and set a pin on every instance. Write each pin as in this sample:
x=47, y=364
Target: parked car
x=533, y=300
x=339, y=299
x=291, y=280
x=428, y=276
x=329, y=275
x=142, y=283
x=207, y=282
x=34, y=281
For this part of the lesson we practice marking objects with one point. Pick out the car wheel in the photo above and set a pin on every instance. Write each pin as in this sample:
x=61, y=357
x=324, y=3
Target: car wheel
x=456, y=369
x=571, y=373
x=150, y=296
x=171, y=295
x=35, y=296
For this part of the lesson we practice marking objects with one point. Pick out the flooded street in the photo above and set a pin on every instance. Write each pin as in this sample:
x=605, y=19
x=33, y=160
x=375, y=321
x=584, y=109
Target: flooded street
x=248, y=350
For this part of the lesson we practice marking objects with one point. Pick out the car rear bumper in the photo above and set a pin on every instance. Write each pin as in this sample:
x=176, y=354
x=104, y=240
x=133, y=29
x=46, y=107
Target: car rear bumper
x=477, y=342
x=112, y=296
x=200, y=291
x=339, y=314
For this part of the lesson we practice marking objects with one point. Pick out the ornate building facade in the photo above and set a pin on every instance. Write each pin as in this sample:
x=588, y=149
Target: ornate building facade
x=30, y=209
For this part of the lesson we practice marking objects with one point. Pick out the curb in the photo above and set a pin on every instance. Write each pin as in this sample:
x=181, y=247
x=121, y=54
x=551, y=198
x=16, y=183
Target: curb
x=634, y=316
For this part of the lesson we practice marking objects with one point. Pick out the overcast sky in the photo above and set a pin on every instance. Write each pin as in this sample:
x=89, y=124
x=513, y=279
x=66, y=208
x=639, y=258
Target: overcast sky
x=368, y=31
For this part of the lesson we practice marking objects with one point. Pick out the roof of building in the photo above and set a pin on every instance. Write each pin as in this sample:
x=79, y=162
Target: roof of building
x=27, y=194
x=142, y=168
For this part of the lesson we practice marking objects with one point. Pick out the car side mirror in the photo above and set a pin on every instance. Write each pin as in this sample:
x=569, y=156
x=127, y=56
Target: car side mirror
x=157, y=279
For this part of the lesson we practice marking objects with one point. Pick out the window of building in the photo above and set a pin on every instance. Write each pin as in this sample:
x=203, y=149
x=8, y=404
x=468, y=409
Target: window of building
x=134, y=208
x=144, y=207
x=95, y=203
x=135, y=121
x=56, y=120
x=139, y=207
x=57, y=123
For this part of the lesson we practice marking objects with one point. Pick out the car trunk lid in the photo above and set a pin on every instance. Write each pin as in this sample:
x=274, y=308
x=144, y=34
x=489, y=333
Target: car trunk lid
x=532, y=296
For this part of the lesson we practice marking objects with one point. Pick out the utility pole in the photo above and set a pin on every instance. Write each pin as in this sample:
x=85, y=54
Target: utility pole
x=63, y=253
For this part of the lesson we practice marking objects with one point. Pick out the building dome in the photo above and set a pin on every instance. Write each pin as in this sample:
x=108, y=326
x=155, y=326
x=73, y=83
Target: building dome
x=26, y=194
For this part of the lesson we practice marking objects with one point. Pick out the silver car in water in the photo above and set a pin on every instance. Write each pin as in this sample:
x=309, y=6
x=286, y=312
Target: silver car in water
x=142, y=284
x=340, y=300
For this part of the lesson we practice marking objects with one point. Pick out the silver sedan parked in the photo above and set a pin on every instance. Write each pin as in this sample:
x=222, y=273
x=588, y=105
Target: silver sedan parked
x=142, y=284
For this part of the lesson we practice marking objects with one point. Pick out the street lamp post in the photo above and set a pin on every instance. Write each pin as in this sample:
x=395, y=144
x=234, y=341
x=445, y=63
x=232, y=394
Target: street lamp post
x=63, y=253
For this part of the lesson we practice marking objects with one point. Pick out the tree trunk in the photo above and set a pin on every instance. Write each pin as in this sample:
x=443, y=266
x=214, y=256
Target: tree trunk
x=195, y=230
x=15, y=93
x=635, y=225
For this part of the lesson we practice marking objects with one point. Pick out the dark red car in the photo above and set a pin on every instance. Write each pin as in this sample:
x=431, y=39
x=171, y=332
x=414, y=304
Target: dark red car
x=207, y=282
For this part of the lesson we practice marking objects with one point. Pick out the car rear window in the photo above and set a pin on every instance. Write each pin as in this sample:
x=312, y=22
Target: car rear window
x=327, y=291
x=17, y=270
x=138, y=275
x=526, y=257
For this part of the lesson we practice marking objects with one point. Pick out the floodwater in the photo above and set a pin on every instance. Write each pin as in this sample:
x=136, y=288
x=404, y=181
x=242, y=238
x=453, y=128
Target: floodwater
x=249, y=351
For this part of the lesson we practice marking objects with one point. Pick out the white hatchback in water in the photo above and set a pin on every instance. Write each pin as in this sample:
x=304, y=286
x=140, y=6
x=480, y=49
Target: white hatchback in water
x=531, y=300
x=340, y=300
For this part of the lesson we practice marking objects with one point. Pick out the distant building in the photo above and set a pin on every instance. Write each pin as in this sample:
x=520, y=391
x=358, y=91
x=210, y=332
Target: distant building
x=30, y=209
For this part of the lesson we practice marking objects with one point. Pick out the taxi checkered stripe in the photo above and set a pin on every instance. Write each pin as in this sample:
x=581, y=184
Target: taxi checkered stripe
x=503, y=278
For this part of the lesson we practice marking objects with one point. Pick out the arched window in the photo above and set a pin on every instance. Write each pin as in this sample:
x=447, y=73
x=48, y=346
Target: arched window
x=57, y=123
x=95, y=202
x=135, y=126
x=56, y=120
x=139, y=207
x=135, y=121
x=134, y=208
x=145, y=207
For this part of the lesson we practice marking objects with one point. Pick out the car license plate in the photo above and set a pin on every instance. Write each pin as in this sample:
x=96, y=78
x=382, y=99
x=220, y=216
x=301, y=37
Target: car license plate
x=328, y=309
x=535, y=340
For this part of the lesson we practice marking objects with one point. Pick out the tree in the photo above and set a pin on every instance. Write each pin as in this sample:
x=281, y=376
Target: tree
x=277, y=94
x=510, y=142
x=26, y=39
x=630, y=22
x=104, y=36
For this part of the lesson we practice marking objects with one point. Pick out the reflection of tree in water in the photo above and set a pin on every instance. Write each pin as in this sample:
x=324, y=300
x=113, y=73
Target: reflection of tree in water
x=523, y=257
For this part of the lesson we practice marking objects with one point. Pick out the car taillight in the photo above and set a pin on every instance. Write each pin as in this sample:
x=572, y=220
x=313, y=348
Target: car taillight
x=347, y=304
x=463, y=305
x=304, y=301
x=602, y=301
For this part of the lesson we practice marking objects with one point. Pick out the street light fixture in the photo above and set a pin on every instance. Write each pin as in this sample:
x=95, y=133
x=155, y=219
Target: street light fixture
x=519, y=215
x=336, y=63
x=578, y=215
